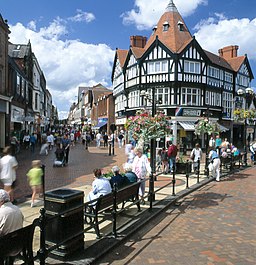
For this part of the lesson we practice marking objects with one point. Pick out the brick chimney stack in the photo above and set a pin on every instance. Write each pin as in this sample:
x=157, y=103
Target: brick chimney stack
x=138, y=41
x=228, y=52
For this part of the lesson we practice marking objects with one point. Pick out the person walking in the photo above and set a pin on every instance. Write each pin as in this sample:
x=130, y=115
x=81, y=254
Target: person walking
x=35, y=175
x=98, y=139
x=214, y=166
x=141, y=167
x=65, y=144
x=105, y=139
x=196, y=154
x=8, y=167
x=164, y=161
x=32, y=142
x=172, y=153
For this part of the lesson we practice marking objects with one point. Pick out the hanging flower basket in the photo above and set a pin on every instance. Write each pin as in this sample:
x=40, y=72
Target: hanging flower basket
x=206, y=126
x=241, y=114
x=144, y=126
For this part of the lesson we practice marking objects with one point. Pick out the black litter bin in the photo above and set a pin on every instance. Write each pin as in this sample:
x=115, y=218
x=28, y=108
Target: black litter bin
x=69, y=226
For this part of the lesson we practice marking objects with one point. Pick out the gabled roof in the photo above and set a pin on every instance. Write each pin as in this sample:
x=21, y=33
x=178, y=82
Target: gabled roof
x=121, y=55
x=137, y=52
x=218, y=60
x=19, y=50
x=236, y=62
x=173, y=38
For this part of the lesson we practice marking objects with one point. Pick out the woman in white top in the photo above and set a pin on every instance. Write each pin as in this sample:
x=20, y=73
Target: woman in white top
x=195, y=155
x=100, y=185
x=8, y=166
x=141, y=167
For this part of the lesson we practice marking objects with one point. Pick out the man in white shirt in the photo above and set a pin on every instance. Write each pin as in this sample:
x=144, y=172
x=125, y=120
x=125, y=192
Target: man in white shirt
x=11, y=217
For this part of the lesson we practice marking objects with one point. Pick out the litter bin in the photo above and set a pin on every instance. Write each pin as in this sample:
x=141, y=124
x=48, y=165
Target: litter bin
x=69, y=226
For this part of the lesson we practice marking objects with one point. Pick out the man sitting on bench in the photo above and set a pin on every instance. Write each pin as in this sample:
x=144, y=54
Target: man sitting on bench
x=11, y=217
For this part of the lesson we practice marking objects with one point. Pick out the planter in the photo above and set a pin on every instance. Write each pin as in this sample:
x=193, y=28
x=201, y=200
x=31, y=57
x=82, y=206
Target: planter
x=181, y=168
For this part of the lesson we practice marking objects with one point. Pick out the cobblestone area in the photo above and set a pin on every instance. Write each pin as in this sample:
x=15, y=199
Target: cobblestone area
x=214, y=225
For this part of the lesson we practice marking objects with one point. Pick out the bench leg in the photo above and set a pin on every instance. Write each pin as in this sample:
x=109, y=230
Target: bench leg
x=96, y=226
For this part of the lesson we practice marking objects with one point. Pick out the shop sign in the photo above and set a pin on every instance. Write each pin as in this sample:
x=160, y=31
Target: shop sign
x=192, y=112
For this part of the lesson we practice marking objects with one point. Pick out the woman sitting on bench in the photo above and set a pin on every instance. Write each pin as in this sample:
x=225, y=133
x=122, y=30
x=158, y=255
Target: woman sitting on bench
x=100, y=185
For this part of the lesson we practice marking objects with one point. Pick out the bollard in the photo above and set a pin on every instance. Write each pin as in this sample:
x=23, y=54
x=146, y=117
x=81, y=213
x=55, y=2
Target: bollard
x=114, y=213
x=43, y=180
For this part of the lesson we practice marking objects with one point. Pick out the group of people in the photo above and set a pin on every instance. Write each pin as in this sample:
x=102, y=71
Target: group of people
x=135, y=169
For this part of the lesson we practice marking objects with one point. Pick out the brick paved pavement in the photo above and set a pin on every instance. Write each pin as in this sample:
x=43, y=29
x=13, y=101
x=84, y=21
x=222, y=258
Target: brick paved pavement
x=212, y=226
x=77, y=173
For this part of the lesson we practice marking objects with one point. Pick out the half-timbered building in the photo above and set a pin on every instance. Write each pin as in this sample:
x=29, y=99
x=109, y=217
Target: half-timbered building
x=182, y=79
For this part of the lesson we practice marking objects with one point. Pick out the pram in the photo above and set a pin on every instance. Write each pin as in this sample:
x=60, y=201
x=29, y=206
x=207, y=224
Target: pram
x=60, y=158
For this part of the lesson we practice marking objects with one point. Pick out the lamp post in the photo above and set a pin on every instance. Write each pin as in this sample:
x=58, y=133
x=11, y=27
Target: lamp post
x=248, y=92
x=146, y=96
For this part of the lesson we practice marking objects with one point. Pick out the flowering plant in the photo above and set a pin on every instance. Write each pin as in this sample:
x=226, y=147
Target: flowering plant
x=206, y=126
x=143, y=125
x=241, y=114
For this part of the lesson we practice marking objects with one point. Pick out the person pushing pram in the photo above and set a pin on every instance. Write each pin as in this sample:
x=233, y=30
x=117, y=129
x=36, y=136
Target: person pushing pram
x=60, y=156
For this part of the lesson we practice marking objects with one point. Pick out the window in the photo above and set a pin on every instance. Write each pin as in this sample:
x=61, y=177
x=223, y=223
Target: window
x=213, y=98
x=165, y=26
x=190, y=96
x=134, y=99
x=192, y=67
x=18, y=85
x=228, y=77
x=157, y=67
x=214, y=72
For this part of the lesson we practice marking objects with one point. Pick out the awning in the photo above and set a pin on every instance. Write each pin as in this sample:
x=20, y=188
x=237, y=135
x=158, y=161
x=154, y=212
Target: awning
x=187, y=125
x=223, y=128
x=100, y=124
x=190, y=126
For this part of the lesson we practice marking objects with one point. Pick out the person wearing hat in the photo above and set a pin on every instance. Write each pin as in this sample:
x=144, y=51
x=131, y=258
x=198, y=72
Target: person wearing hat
x=8, y=166
x=11, y=217
x=35, y=175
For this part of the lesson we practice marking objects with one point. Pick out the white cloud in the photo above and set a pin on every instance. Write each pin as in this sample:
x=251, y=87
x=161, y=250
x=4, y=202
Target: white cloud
x=82, y=16
x=147, y=13
x=225, y=32
x=66, y=64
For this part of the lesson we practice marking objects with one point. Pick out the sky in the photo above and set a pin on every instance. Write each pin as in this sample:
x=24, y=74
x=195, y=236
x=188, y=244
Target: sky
x=75, y=40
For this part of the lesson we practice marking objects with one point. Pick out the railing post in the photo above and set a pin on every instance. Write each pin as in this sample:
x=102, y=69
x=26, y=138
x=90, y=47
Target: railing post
x=114, y=210
x=187, y=173
x=198, y=169
x=173, y=181
x=231, y=162
x=109, y=149
x=42, y=223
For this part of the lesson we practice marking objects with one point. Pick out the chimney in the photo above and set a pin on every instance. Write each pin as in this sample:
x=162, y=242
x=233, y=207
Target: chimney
x=138, y=41
x=228, y=52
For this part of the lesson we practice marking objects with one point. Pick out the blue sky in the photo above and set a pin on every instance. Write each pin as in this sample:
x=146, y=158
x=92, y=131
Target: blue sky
x=75, y=41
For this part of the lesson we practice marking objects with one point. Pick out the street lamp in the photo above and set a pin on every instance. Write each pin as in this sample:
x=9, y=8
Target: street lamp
x=145, y=95
x=248, y=92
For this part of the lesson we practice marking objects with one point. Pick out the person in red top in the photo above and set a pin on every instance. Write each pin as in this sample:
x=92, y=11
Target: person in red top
x=172, y=153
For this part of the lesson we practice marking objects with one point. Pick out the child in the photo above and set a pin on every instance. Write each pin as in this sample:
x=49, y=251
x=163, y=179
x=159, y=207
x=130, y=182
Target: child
x=35, y=179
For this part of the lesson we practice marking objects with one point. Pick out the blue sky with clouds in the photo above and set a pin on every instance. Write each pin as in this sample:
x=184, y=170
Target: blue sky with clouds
x=75, y=41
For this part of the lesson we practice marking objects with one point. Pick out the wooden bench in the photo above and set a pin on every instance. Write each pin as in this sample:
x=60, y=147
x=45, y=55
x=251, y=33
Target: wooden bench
x=18, y=245
x=107, y=205
x=230, y=161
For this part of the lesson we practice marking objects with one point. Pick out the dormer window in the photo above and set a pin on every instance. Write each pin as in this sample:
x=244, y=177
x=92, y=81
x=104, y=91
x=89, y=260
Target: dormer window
x=154, y=30
x=181, y=25
x=166, y=26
